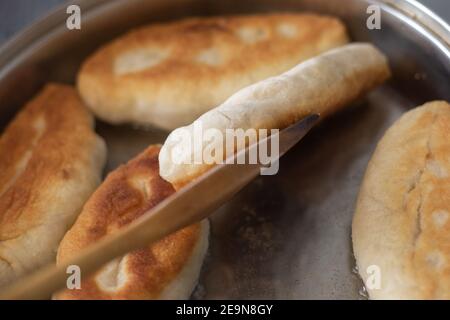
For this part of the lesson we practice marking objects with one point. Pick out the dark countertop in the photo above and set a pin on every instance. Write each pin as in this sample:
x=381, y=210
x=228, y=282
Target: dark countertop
x=16, y=14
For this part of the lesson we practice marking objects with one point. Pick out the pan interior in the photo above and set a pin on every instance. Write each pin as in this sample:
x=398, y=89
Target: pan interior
x=285, y=236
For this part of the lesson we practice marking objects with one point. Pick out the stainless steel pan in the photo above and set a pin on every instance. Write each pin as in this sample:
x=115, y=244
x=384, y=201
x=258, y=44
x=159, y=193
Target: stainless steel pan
x=286, y=236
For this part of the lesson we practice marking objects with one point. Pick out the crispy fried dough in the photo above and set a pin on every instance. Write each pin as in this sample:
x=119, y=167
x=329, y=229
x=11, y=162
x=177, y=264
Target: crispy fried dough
x=50, y=162
x=401, y=227
x=168, y=269
x=168, y=74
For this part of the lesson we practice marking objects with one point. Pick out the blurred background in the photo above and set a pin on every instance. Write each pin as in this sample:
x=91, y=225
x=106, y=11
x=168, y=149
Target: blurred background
x=16, y=14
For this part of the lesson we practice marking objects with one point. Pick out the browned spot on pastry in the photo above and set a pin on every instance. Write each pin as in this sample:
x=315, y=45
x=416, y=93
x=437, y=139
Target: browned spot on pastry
x=181, y=69
x=126, y=194
x=50, y=161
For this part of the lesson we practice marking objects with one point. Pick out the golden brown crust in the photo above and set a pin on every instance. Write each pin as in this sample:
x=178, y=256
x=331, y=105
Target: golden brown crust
x=51, y=160
x=126, y=194
x=169, y=74
x=402, y=219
